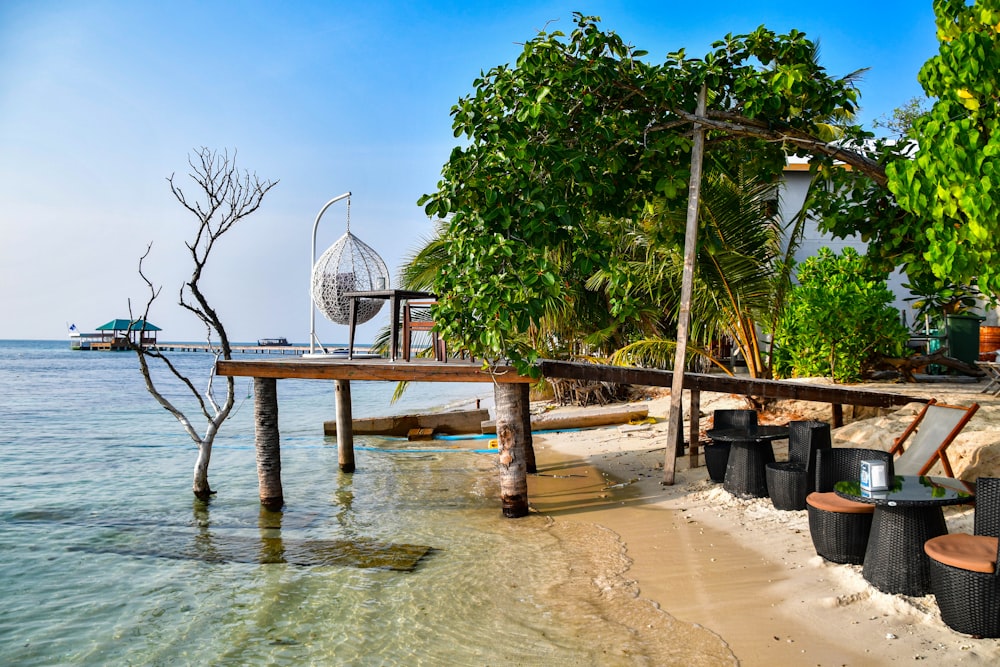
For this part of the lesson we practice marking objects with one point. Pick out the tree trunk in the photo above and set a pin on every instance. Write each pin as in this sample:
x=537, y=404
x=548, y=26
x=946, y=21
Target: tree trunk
x=510, y=409
x=202, y=491
x=268, y=443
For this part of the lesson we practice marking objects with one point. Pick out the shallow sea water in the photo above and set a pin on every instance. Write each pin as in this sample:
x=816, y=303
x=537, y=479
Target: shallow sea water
x=106, y=557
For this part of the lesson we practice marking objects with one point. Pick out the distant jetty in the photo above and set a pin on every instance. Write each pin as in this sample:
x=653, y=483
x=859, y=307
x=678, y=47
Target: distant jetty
x=118, y=335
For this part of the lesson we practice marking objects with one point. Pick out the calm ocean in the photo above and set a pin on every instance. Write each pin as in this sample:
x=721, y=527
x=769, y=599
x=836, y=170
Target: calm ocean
x=107, y=559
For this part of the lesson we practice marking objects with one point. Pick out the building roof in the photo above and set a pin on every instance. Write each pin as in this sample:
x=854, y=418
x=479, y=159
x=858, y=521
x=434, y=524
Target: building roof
x=129, y=325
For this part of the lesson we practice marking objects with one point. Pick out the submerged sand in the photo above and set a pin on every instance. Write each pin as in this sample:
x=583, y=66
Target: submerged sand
x=741, y=569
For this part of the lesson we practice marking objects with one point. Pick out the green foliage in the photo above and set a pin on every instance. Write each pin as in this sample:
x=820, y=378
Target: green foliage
x=837, y=320
x=738, y=261
x=952, y=184
x=581, y=131
x=902, y=119
x=935, y=300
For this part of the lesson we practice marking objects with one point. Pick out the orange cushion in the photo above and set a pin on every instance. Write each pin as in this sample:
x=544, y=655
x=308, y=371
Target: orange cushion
x=831, y=502
x=977, y=553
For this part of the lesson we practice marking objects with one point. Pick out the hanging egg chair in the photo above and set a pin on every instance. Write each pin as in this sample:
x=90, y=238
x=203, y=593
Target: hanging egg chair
x=349, y=265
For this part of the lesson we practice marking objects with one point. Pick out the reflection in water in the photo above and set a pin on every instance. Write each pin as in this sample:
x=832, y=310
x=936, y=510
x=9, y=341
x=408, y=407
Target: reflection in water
x=272, y=549
x=221, y=544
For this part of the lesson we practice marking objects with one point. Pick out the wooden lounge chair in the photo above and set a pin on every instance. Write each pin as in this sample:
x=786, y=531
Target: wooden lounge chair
x=932, y=432
x=965, y=578
x=992, y=371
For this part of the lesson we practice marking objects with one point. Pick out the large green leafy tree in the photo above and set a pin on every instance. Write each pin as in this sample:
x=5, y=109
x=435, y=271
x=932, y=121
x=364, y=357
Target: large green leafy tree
x=937, y=212
x=582, y=131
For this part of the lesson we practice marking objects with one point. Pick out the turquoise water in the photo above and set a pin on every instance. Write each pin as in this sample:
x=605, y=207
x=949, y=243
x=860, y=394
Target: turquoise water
x=107, y=558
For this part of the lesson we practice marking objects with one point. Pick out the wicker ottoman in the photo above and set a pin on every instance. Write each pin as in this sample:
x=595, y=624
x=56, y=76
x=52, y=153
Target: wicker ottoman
x=716, y=460
x=787, y=485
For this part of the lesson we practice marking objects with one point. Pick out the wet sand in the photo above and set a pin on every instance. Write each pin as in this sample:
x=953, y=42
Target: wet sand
x=740, y=569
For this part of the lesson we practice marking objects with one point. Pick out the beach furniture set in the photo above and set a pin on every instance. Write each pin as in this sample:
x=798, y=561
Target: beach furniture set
x=896, y=531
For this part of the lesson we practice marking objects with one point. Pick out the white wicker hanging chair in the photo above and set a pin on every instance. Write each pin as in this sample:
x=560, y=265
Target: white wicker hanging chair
x=349, y=265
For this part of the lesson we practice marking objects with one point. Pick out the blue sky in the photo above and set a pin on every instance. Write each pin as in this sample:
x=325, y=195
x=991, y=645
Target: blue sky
x=102, y=100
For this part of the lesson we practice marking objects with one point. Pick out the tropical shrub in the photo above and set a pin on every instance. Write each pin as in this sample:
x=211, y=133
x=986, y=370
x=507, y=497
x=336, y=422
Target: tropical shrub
x=838, y=319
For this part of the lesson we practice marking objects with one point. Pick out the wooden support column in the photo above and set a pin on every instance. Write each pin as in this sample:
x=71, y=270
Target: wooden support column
x=695, y=429
x=674, y=424
x=510, y=419
x=838, y=414
x=679, y=433
x=268, y=444
x=345, y=426
x=529, y=444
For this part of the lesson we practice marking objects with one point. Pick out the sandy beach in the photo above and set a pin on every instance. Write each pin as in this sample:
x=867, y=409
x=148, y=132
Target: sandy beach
x=741, y=569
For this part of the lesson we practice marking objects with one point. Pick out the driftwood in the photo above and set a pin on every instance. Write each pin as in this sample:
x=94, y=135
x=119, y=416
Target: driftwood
x=907, y=367
x=460, y=421
x=589, y=418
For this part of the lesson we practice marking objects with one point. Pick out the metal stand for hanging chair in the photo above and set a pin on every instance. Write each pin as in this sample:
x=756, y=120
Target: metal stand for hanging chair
x=348, y=266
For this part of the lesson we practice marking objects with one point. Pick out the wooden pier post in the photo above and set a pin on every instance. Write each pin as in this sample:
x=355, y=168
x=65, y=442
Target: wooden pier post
x=345, y=426
x=529, y=444
x=268, y=444
x=511, y=411
x=694, y=433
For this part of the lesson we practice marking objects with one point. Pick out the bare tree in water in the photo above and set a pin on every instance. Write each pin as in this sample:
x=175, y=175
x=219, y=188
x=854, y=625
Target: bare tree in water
x=225, y=196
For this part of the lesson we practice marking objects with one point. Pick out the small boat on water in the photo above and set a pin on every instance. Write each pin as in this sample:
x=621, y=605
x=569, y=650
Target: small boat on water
x=118, y=335
x=272, y=342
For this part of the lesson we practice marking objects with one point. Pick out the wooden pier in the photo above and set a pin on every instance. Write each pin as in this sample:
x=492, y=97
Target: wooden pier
x=513, y=425
x=514, y=449
x=237, y=349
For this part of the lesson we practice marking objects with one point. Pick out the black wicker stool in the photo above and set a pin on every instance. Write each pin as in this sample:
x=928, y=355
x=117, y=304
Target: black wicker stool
x=716, y=460
x=788, y=485
x=969, y=601
x=967, y=589
x=746, y=471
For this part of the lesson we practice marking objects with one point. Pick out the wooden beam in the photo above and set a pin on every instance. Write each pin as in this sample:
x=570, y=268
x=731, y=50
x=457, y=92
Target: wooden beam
x=726, y=384
x=694, y=444
x=580, y=418
x=369, y=369
x=459, y=421
x=674, y=423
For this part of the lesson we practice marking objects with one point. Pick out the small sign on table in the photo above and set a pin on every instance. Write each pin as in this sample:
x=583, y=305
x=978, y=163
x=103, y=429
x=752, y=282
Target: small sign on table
x=874, y=476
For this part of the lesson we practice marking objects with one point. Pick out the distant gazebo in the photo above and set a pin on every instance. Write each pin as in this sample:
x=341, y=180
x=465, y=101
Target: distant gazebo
x=120, y=332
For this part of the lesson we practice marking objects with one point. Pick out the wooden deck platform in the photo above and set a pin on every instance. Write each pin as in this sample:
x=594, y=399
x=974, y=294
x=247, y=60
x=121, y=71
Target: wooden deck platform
x=417, y=370
x=238, y=349
x=515, y=455
x=727, y=384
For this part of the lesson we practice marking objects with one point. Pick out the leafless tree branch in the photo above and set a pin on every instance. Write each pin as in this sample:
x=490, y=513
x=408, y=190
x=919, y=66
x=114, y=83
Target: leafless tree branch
x=226, y=196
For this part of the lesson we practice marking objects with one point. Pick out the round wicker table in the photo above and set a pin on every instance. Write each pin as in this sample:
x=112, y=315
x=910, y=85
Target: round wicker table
x=906, y=515
x=746, y=473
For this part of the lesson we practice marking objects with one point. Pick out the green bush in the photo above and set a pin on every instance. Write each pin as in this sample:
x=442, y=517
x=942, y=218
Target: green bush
x=838, y=320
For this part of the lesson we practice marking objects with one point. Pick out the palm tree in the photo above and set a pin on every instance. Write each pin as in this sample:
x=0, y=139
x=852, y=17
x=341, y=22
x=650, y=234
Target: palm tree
x=739, y=269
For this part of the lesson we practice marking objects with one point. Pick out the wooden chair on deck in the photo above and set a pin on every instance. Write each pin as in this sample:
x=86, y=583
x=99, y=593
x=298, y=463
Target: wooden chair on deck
x=421, y=323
